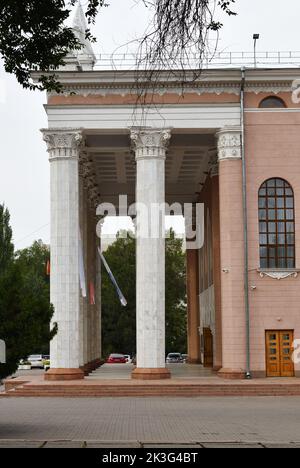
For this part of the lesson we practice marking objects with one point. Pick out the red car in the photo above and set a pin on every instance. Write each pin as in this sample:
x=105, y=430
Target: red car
x=116, y=359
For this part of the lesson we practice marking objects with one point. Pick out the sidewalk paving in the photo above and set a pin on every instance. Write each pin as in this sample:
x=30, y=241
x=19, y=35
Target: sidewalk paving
x=152, y=421
x=141, y=445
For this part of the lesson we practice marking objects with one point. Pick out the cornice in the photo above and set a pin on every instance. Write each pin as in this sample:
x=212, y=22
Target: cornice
x=163, y=88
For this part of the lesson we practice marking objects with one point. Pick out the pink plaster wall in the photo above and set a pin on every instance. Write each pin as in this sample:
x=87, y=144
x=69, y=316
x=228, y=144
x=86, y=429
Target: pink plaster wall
x=272, y=150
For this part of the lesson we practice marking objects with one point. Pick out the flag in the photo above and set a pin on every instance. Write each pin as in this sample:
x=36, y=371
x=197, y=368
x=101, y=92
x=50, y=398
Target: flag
x=119, y=292
x=81, y=268
x=92, y=294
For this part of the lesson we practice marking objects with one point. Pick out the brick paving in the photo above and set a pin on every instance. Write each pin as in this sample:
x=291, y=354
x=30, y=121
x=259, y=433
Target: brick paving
x=150, y=422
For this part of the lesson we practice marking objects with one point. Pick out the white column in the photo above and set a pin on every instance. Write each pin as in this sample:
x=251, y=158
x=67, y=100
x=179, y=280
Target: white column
x=63, y=148
x=150, y=148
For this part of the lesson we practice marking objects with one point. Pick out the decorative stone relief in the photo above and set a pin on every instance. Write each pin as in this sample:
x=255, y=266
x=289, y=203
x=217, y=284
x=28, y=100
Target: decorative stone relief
x=278, y=274
x=63, y=143
x=229, y=143
x=86, y=171
x=150, y=143
x=213, y=162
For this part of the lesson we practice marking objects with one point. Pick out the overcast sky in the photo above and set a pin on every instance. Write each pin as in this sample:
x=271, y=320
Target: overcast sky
x=24, y=170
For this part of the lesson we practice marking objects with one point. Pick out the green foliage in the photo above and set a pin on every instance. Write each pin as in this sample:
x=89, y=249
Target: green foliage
x=25, y=312
x=33, y=36
x=176, y=308
x=119, y=323
x=36, y=285
x=6, y=245
x=25, y=309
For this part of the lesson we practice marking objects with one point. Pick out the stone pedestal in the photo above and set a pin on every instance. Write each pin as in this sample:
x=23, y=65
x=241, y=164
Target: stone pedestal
x=150, y=149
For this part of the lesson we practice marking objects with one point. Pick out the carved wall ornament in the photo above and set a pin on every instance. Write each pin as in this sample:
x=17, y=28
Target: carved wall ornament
x=279, y=275
x=229, y=143
x=63, y=143
x=150, y=143
x=87, y=172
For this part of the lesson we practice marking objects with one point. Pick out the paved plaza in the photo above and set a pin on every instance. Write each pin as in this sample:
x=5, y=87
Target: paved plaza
x=123, y=372
x=146, y=422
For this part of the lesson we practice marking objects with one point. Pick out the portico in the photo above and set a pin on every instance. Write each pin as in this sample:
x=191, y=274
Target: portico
x=178, y=148
x=166, y=166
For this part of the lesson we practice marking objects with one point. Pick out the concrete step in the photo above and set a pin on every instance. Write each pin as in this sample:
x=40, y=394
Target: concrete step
x=150, y=390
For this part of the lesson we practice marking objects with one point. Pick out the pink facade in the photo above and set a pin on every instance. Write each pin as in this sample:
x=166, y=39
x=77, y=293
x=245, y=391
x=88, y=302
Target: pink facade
x=272, y=146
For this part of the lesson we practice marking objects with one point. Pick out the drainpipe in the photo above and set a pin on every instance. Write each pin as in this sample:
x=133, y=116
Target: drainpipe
x=245, y=222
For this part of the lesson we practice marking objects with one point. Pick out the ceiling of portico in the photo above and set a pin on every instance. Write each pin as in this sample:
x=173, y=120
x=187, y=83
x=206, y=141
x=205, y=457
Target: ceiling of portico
x=187, y=165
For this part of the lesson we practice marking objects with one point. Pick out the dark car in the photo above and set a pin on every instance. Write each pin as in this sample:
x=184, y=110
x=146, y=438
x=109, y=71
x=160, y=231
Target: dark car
x=173, y=358
x=116, y=359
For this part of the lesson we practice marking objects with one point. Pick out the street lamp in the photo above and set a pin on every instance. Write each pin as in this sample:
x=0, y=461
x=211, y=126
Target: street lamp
x=255, y=38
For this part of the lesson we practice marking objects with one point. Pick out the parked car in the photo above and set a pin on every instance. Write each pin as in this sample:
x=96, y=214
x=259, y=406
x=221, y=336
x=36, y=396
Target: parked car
x=24, y=365
x=128, y=358
x=174, y=358
x=185, y=357
x=36, y=361
x=116, y=359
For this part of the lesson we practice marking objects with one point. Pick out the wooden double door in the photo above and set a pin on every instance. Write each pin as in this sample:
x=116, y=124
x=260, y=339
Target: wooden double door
x=208, y=348
x=279, y=353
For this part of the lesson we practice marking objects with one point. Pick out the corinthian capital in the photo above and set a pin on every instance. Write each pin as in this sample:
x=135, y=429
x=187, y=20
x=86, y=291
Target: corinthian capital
x=150, y=143
x=63, y=143
x=229, y=143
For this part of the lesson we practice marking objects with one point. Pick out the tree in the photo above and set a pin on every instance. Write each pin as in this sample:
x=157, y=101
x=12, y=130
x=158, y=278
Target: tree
x=6, y=245
x=25, y=309
x=176, y=307
x=36, y=284
x=119, y=323
x=179, y=28
x=33, y=34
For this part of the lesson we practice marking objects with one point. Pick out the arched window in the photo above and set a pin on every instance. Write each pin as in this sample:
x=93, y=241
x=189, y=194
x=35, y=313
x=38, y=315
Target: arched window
x=276, y=224
x=272, y=102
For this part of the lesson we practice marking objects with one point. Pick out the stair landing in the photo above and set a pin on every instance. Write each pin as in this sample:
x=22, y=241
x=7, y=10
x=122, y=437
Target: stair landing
x=185, y=382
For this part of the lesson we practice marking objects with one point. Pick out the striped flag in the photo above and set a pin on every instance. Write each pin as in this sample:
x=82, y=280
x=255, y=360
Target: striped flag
x=92, y=294
x=112, y=278
x=81, y=268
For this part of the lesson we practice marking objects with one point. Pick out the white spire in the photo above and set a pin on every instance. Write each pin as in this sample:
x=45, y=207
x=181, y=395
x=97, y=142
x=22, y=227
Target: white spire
x=79, y=21
x=85, y=57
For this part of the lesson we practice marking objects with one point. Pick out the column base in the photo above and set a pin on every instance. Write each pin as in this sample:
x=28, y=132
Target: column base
x=194, y=361
x=64, y=374
x=150, y=374
x=217, y=368
x=231, y=374
x=91, y=366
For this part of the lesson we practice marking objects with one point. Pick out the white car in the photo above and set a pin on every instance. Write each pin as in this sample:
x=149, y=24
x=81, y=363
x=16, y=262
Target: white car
x=36, y=361
x=128, y=358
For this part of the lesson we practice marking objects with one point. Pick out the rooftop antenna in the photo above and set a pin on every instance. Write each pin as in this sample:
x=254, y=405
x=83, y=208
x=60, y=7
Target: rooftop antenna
x=255, y=38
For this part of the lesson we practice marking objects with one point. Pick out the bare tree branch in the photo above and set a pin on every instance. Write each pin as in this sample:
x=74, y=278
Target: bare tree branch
x=178, y=41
